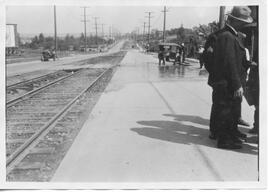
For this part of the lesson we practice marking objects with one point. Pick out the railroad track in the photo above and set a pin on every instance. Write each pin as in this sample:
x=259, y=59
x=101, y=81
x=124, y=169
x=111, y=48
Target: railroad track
x=18, y=91
x=30, y=80
x=30, y=120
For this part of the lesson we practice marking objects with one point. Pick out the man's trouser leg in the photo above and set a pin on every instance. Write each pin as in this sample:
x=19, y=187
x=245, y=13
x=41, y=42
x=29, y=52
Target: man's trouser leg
x=222, y=113
x=214, y=111
x=236, y=113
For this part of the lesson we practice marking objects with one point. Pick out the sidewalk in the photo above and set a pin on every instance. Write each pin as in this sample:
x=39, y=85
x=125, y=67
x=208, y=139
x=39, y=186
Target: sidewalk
x=151, y=125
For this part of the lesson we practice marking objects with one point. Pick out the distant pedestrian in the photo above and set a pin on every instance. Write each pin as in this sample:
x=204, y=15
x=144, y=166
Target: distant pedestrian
x=183, y=52
x=200, y=52
x=228, y=79
x=178, y=56
x=53, y=52
x=147, y=46
x=161, y=56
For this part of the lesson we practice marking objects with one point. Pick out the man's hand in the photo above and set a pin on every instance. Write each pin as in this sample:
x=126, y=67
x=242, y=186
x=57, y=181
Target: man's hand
x=239, y=92
x=253, y=64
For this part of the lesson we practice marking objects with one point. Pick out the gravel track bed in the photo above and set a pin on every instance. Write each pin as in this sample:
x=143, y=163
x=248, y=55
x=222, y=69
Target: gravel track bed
x=18, y=90
x=49, y=152
x=26, y=76
x=42, y=161
x=75, y=84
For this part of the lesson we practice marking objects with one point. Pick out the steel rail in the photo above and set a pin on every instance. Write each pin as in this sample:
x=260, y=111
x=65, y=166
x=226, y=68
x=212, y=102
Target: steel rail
x=16, y=155
x=35, y=91
x=29, y=80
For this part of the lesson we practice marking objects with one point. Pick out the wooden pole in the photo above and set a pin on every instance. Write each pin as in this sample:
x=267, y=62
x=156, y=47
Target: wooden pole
x=55, y=32
x=221, y=17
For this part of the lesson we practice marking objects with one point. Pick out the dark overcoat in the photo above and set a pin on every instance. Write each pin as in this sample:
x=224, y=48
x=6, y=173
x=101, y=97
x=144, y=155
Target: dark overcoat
x=230, y=64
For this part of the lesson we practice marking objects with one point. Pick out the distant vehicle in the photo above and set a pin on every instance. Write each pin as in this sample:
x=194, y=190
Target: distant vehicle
x=47, y=54
x=170, y=50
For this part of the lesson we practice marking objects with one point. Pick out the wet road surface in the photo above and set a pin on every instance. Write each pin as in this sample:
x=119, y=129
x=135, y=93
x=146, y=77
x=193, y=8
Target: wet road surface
x=152, y=125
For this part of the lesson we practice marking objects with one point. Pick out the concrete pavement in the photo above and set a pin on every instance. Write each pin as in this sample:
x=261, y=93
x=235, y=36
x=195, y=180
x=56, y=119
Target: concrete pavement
x=151, y=125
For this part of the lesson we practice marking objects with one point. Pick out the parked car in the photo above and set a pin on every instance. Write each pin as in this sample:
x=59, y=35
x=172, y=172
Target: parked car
x=47, y=54
x=170, y=50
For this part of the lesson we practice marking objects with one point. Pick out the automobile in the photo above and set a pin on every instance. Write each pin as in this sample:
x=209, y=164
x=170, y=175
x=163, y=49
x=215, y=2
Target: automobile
x=46, y=55
x=170, y=50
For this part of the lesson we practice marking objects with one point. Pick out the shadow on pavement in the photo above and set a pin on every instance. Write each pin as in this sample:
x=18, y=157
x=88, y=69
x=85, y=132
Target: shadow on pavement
x=193, y=119
x=178, y=132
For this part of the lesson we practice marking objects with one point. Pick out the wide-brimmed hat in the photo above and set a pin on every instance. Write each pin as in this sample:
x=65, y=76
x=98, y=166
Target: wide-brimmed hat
x=241, y=13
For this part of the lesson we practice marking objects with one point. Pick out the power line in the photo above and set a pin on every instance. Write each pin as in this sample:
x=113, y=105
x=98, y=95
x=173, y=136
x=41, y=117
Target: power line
x=164, y=22
x=84, y=20
x=103, y=36
x=55, y=32
x=155, y=22
x=149, y=17
x=96, y=29
x=110, y=31
x=144, y=30
x=102, y=25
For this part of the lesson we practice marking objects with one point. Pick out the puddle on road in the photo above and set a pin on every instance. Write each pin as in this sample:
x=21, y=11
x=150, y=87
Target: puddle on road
x=190, y=71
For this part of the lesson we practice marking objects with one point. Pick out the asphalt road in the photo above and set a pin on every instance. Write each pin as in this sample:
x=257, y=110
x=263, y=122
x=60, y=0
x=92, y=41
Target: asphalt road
x=23, y=67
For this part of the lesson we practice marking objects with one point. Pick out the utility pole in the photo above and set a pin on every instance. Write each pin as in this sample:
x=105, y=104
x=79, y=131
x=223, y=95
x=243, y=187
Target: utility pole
x=144, y=31
x=110, y=31
x=164, y=22
x=221, y=17
x=138, y=33
x=149, y=17
x=85, y=36
x=102, y=25
x=55, y=32
x=96, y=29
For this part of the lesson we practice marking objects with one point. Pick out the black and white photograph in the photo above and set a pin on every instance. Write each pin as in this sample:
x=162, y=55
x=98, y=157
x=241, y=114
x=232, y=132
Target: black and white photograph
x=134, y=94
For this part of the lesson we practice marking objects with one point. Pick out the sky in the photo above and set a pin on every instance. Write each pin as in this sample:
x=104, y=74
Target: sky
x=40, y=19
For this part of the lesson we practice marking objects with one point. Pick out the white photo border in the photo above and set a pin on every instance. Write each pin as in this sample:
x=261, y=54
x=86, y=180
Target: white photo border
x=264, y=93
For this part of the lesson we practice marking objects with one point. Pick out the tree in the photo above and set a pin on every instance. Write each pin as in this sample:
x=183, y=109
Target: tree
x=48, y=42
x=41, y=38
x=181, y=34
x=214, y=26
x=82, y=38
x=34, y=43
x=19, y=40
x=67, y=38
x=35, y=40
x=206, y=30
x=72, y=38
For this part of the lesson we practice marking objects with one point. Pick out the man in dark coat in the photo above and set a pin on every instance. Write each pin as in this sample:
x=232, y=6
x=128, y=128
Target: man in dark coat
x=228, y=78
x=161, y=56
x=252, y=88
